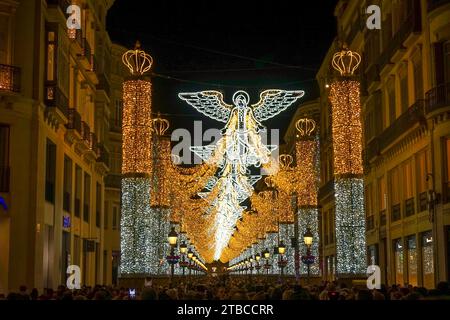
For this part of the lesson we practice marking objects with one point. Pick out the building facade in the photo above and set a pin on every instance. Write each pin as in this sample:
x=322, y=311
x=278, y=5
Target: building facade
x=405, y=98
x=58, y=93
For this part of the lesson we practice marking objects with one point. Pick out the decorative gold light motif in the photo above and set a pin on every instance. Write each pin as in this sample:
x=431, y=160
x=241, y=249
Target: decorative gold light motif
x=137, y=61
x=160, y=125
x=346, y=62
x=346, y=127
x=305, y=126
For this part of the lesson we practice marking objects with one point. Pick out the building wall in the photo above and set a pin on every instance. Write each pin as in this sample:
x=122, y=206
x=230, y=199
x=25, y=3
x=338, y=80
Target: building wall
x=405, y=102
x=71, y=108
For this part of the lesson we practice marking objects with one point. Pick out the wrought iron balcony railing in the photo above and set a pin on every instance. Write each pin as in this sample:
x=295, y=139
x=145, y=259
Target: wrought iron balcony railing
x=438, y=97
x=86, y=133
x=74, y=120
x=9, y=78
x=104, y=155
x=55, y=98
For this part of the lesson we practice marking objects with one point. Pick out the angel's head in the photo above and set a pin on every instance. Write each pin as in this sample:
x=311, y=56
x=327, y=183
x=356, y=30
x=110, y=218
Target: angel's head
x=241, y=99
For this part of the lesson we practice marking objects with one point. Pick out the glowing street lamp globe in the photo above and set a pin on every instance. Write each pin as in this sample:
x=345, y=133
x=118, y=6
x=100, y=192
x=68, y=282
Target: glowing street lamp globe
x=173, y=237
x=308, y=237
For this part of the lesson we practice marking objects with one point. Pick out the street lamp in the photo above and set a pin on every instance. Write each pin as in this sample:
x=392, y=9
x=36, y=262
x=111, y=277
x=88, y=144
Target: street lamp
x=190, y=254
x=172, y=259
x=183, y=250
x=281, y=261
x=308, y=259
x=257, y=258
x=173, y=237
x=266, y=255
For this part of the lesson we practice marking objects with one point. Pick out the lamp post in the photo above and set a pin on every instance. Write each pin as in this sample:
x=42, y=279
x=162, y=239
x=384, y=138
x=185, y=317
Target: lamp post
x=281, y=261
x=308, y=259
x=190, y=254
x=257, y=267
x=172, y=259
x=266, y=255
x=183, y=250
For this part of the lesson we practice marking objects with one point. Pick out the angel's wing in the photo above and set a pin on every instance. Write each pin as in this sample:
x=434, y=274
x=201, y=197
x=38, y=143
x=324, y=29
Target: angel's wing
x=210, y=103
x=272, y=102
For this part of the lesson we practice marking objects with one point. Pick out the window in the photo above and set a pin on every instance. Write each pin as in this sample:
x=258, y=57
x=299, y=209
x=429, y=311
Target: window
x=427, y=260
x=382, y=200
x=404, y=88
x=67, y=188
x=4, y=158
x=87, y=197
x=421, y=164
x=408, y=188
x=391, y=100
x=412, y=260
x=398, y=259
x=76, y=250
x=51, y=55
x=78, y=178
x=331, y=225
x=370, y=223
x=118, y=113
x=98, y=203
x=325, y=226
x=446, y=187
x=418, y=76
x=105, y=217
x=50, y=171
x=395, y=195
x=114, y=222
x=372, y=254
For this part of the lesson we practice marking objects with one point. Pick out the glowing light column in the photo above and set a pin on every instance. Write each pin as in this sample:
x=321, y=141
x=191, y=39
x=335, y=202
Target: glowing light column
x=348, y=170
x=307, y=171
x=135, y=223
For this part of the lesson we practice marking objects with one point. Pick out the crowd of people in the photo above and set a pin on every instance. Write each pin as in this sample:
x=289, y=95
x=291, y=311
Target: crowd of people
x=235, y=289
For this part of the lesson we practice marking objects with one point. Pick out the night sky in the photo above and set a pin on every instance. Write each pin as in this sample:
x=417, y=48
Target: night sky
x=227, y=46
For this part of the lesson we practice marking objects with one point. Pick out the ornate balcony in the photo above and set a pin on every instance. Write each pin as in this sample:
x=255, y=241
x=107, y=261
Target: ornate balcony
x=438, y=97
x=104, y=155
x=103, y=84
x=93, y=146
x=411, y=26
x=57, y=110
x=411, y=117
x=9, y=78
x=74, y=121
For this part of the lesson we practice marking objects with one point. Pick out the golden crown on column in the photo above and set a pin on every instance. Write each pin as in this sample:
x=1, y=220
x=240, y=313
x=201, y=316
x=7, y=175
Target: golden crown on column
x=346, y=61
x=160, y=125
x=305, y=126
x=137, y=61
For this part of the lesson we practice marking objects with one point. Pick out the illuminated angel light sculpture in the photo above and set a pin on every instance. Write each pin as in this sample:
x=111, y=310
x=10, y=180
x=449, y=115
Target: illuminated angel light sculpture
x=239, y=148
